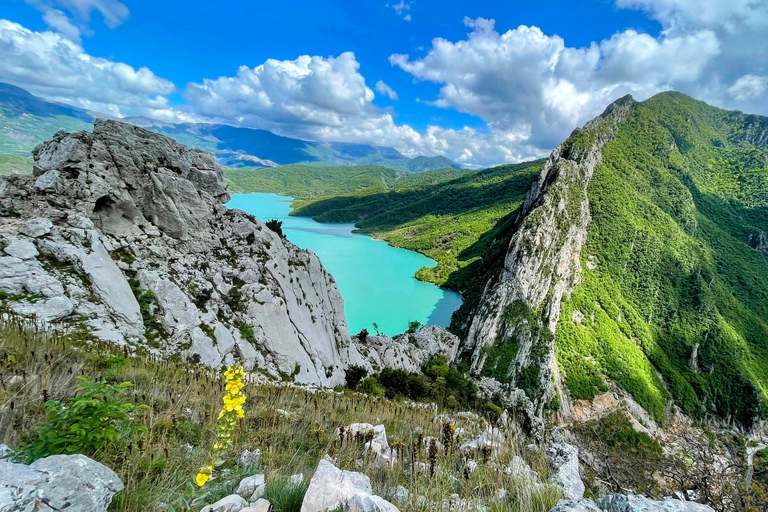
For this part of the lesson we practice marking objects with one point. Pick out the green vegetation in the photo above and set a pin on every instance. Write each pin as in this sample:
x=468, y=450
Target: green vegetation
x=286, y=496
x=307, y=181
x=15, y=164
x=98, y=415
x=668, y=272
x=453, y=221
x=293, y=427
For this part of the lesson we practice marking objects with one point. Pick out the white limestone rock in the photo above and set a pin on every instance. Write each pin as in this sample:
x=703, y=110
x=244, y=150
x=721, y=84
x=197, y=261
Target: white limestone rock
x=637, y=503
x=231, y=503
x=72, y=482
x=37, y=227
x=249, y=486
x=564, y=460
x=332, y=488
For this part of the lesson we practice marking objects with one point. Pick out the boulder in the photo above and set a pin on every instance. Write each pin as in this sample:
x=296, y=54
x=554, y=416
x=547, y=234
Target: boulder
x=21, y=249
x=520, y=470
x=249, y=486
x=369, y=503
x=37, y=227
x=249, y=458
x=332, y=488
x=231, y=503
x=260, y=505
x=491, y=439
x=73, y=483
x=563, y=458
x=401, y=494
x=637, y=503
x=575, y=506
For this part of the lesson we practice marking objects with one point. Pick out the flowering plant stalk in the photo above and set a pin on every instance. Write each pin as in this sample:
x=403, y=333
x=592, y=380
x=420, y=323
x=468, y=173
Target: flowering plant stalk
x=232, y=410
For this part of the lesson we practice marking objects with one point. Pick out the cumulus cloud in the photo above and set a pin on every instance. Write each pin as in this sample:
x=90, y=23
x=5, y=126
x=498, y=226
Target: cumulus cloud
x=526, y=82
x=739, y=26
x=112, y=11
x=748, y=87
x=53, y=66
x=385, y=90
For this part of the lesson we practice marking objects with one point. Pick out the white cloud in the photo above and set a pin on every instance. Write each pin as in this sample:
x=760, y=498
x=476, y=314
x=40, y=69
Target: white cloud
x=401, y=9
x=526, y=82
x=748, y=87
x=385, y=90
x=113, y=12
x=52, y=66
x=59, y=22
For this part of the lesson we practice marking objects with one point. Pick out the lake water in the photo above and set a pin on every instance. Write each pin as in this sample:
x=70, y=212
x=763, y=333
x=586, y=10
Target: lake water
x=376, y=280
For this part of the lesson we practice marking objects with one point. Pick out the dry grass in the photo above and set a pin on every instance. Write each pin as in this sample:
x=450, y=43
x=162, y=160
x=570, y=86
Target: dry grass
x=293, y=427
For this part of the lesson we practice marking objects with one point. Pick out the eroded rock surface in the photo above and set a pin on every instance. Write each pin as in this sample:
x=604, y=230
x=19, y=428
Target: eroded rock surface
x=124, y=231
x=60, y=482
x=520, y=307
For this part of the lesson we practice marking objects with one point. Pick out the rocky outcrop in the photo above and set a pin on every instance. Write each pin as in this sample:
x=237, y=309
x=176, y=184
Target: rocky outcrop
x=60, y=482
x=758, y=240
x=563, y=459
x=520, y=307
x=629, y=503
x=334, y=489
x=407, y=351
x=123, y=231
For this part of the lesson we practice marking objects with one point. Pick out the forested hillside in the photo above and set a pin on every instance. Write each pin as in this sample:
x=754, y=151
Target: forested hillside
x=453, y=222
x=675, y=277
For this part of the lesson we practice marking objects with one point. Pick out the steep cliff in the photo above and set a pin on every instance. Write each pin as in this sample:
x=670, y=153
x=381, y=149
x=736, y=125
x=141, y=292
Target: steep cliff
x=511, y=334
x=123, y=231
x=637, y=265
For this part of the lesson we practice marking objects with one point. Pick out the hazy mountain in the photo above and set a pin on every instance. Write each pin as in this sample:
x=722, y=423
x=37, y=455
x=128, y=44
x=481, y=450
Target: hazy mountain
x=26, y=120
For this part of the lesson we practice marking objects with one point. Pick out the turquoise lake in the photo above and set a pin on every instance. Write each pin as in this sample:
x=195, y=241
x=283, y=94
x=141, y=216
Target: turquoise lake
x=376, y=280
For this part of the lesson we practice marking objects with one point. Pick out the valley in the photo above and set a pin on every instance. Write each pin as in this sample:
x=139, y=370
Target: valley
x=611, y=316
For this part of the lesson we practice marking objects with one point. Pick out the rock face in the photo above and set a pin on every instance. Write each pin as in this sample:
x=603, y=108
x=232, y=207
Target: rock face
x=405, y=352
x=629, y=503
x=520, y=307
x=60, y=482
x=564, y=460
x=124, y=231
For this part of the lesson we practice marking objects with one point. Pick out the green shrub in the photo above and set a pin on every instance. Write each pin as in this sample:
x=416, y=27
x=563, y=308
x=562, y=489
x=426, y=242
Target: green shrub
x=276, y=226
x=285, y=496
x=413, y=326
x=354, y=375
x=98, y=416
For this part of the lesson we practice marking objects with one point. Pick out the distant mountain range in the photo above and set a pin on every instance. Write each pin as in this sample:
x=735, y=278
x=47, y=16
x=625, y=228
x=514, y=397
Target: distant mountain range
x=26, y=120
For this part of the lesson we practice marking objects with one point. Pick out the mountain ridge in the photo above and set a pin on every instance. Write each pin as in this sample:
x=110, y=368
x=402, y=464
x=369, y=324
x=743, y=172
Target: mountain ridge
x=236, y=147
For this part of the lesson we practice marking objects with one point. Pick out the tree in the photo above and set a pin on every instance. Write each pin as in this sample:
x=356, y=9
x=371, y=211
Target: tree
x=276, y=226
x=362, y=335
x=376, y=327
x=413, y=326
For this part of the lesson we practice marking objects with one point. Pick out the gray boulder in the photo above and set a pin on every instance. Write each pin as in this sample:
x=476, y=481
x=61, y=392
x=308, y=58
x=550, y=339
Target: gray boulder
x=575, y=506
x=563, y=458
x=250, y=486
x=332, y=488
x=637, y=503
x=231, y=503
x=260, y=505
x=369, y=503
x=73, y=483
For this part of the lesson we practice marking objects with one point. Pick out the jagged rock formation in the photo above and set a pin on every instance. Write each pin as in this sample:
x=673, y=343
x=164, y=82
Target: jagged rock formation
x=407, y=351
x=124, y=231
x=511, y=334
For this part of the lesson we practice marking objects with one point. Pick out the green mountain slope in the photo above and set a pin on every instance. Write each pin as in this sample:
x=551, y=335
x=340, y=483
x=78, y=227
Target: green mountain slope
x=670, y=281
x=453, y=221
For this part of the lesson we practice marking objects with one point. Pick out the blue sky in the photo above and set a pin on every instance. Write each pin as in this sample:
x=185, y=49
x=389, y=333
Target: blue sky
x=483, y=82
